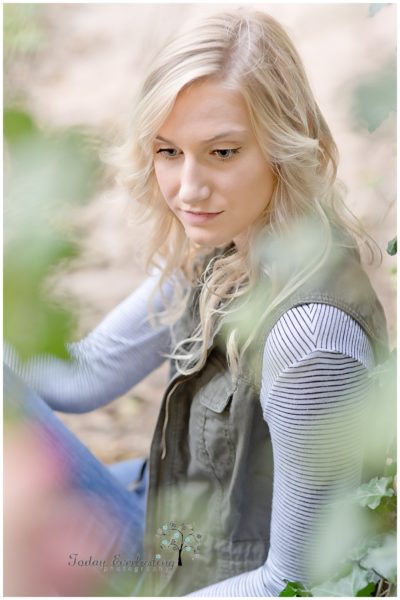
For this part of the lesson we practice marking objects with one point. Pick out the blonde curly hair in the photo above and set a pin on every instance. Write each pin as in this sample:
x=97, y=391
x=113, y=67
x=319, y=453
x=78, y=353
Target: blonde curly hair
x=249, y=51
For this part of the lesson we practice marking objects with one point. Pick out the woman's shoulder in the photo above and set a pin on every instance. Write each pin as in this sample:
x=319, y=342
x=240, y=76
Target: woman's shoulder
x=307, y=329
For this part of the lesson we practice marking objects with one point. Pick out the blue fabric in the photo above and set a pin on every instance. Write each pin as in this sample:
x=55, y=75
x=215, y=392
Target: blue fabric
x=132, y=474
x=98, y=484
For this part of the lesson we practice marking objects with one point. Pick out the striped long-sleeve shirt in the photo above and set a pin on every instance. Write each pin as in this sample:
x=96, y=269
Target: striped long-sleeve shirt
x=314, y=394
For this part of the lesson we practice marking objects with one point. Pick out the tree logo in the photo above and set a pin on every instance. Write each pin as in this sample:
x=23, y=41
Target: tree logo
x=179, y=537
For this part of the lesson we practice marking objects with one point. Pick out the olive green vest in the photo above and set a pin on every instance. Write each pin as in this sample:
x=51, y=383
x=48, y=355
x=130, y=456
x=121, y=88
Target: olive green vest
x=211, y=459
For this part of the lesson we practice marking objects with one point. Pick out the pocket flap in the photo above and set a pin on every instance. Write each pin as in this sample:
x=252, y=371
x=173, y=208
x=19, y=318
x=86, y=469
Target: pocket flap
x=218, y=392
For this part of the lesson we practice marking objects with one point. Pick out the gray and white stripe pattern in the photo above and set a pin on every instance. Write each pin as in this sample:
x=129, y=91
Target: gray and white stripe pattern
x=314, y=394
x=121, y=351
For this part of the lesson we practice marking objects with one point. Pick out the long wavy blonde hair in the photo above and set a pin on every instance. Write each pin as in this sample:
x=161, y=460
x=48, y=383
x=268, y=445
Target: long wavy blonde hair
x=248, y=51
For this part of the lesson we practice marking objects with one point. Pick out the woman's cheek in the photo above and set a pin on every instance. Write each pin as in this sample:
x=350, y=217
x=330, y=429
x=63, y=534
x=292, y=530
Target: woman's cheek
x=169, y=202
x=168, y=189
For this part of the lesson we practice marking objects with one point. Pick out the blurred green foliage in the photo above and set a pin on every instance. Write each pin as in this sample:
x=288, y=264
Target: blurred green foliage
x=353, y=584
x=368, y=568
x=22, y=31
x=45, y=175
x=374, y=8
x=392, y=247
x=375, y=97
x=355, y=553
x=370, y=494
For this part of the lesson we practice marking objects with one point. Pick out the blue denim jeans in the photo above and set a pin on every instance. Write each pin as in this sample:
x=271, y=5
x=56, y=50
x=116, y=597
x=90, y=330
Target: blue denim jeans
x=121, y=488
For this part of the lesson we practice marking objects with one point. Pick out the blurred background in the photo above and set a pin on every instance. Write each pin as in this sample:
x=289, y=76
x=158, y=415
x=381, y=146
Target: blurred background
x=71, y=72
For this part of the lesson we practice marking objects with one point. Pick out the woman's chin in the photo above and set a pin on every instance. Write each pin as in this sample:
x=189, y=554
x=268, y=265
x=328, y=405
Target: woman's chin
x=207, y=239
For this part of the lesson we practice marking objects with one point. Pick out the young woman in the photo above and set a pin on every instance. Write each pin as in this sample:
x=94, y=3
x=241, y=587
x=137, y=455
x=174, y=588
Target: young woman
x=258, y=299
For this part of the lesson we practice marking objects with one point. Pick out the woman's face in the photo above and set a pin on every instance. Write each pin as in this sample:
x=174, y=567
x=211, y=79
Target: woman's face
x=209, y=166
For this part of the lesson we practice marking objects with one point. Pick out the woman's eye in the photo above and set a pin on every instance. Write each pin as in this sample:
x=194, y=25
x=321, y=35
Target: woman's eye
x=226, y=153
x=168, y=152
x=222, y=154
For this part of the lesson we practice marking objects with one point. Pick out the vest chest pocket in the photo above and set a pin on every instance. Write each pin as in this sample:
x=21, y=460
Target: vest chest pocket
x=215, y=444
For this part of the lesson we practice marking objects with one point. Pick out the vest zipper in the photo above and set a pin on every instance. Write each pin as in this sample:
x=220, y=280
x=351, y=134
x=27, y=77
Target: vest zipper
x=163, y=440
x=175, y=383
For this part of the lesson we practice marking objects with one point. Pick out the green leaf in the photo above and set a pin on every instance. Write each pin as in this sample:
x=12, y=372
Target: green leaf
x=367, y=591
x=45, y=175
x=350, y=585
x=390, y=468
x=21, y=28
x=294, y=588
x=392, y=247
x=361, y=550
x=383, y=560
x=17, y=124
x=370, y=494
x=375, y=98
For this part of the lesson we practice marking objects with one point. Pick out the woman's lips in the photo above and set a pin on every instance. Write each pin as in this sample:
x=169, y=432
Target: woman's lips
x=199, y=217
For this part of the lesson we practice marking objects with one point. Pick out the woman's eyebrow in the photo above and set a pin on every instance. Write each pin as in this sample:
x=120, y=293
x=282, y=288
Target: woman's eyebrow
x=223, y=134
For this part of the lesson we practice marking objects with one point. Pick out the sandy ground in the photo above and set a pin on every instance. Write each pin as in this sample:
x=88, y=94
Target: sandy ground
x=87, y=74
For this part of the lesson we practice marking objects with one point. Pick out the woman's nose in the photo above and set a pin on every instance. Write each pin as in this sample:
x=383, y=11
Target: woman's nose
x=193, y=186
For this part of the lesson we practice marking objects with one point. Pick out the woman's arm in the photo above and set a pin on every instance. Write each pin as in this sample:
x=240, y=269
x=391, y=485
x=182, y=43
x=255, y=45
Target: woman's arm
x=114, y=357
x=314, y=396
